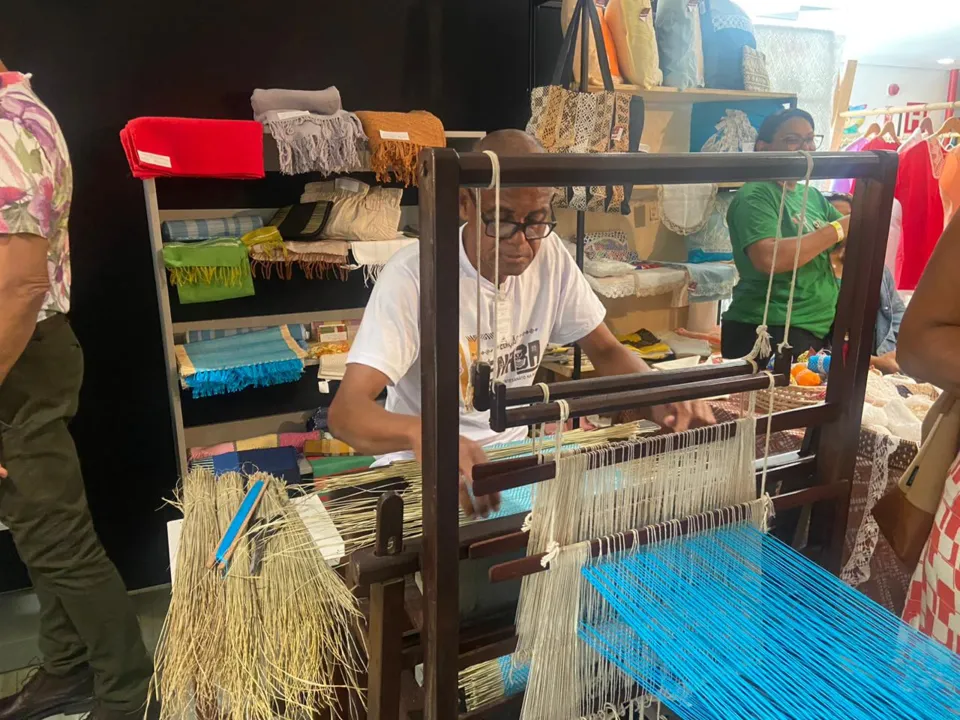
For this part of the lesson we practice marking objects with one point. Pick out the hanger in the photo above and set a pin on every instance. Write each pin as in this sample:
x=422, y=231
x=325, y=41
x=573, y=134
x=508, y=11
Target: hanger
x=891, y=130
x=951, y=125
x=872, y=130
x=926, y=126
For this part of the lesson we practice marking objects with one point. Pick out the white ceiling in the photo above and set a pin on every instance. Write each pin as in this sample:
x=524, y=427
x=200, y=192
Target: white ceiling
x=880, y=32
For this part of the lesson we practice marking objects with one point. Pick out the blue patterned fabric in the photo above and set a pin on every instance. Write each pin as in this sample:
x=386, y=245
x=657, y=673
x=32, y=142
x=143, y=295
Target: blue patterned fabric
x=231, y=364
x=514, y=678
x=190, y=230
x=298, y=332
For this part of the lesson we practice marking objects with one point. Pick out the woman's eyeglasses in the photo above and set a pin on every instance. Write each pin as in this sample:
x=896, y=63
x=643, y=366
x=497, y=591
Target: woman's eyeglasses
x=795, y=142
x=531, y=230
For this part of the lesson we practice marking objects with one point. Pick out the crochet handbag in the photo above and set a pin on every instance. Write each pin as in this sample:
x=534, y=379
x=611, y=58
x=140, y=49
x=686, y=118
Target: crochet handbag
x=568, y=121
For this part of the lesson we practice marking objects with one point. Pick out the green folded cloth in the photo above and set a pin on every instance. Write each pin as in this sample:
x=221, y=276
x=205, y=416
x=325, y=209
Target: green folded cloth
x=207, y=271
x=331, y=465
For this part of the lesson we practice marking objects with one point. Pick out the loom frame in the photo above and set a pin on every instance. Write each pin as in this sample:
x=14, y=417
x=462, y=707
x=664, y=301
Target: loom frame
x=824, y=467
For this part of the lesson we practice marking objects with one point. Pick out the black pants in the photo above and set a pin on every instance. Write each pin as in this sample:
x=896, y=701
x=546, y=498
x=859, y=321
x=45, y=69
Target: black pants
x=737, y=339
x=85, y=613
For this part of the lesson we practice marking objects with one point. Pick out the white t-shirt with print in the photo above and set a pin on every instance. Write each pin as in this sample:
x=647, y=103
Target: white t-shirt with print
x=551, y=303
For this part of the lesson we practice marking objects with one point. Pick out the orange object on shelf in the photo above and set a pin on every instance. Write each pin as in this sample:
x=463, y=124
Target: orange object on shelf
x=797, y=369
x=807, y=378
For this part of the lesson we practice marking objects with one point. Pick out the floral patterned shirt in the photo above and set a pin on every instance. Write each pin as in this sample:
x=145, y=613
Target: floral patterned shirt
x=36, y=181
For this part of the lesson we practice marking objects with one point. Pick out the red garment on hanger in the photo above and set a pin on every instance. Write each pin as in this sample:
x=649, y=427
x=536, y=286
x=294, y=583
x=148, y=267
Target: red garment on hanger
x=874, y=143
x=918, y=191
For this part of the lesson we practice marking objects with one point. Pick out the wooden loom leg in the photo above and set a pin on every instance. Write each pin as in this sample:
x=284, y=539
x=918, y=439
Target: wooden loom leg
x=856, y=316
x=440, y=388
x=386, y=614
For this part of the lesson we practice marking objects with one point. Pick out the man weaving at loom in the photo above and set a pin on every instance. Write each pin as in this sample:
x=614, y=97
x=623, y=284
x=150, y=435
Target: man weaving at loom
x=547, y=301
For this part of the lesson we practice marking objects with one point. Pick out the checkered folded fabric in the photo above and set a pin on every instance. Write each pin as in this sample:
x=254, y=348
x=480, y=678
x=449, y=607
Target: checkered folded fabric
x=187, y=230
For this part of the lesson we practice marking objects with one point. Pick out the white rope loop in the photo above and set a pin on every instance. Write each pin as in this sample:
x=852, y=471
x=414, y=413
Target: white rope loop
x=796, y=255
x=495, y=186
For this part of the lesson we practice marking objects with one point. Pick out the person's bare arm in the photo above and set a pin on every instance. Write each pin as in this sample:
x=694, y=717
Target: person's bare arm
x=23, y=285
x=811, y=245
x=357, y=419
x=609, y=357
x=929, y=344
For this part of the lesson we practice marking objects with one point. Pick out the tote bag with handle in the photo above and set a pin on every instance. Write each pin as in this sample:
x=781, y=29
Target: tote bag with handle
x=906, y=512
x=569, y=121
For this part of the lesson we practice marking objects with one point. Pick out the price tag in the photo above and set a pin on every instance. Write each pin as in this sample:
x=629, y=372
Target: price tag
x=390, y=135
x=348, y=184
x=154, y=159
x=323, y=386
x=287, y=114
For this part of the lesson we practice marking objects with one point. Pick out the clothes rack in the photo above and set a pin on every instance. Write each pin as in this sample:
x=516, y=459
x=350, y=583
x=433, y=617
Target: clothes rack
x=903, y=110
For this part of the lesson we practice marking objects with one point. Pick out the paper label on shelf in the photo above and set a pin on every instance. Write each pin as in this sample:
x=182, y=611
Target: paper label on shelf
x=154, y=159
x=287, y=114
x=617, y=133
x=323, y=386
x=390, y=135
x=348, y=184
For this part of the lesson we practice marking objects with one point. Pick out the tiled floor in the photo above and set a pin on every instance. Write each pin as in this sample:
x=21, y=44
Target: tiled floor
x=18, y=633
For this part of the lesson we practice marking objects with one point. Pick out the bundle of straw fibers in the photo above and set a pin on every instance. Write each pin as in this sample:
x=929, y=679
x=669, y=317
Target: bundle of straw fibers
x=189, y=648
x=311, y=621
x=246, y=691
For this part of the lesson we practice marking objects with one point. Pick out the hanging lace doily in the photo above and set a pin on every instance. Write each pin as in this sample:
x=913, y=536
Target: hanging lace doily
x=734, y=133
x=685, y=209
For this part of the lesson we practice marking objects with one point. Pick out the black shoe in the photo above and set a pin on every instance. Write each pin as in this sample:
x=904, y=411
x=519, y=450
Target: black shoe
x=45, y=695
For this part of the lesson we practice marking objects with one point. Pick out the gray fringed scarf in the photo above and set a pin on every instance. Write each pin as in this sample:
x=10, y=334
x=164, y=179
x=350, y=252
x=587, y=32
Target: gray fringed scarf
x=308, y=142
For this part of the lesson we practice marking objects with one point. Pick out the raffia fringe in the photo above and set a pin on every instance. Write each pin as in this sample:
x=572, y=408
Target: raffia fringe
x=398, y=158
x=205, y=275
x=317, y=266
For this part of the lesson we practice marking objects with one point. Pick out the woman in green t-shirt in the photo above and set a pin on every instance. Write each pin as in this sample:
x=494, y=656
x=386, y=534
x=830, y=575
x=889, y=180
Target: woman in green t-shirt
x=752, y=219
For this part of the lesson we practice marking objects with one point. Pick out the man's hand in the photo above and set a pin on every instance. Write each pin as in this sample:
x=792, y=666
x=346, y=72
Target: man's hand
x=683, y=416
x=470, y=454
x=886, y=363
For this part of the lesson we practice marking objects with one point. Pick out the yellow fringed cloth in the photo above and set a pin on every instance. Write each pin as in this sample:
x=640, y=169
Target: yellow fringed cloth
x=397, y=138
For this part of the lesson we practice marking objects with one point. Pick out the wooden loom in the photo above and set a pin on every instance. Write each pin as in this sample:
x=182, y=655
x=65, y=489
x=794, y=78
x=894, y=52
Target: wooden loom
x=819, y=476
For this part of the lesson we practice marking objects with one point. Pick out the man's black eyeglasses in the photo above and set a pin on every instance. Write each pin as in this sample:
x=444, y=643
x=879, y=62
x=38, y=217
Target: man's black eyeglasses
x=536, y=230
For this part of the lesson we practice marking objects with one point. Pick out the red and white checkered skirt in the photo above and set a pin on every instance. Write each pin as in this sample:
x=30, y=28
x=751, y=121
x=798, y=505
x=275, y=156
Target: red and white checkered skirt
x=932, y=600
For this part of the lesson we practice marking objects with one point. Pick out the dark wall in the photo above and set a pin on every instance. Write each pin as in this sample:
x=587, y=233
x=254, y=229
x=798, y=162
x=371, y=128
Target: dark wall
x=99, y=63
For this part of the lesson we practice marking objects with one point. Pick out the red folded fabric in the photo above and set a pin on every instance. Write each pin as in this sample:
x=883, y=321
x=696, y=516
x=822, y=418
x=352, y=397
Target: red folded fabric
x=193, y=147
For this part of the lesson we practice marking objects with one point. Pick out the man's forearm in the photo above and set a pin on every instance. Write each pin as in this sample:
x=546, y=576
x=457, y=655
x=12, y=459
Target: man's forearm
x=618, y=360
x=371, y=430
x=18, y=319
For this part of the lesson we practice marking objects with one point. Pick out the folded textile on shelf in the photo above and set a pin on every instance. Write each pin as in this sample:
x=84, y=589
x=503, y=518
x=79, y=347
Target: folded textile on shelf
x=281, y=462
x=397, y=138
x=308, y=142
x=359, y=212
x=332, y=366
x=193, y=147
x=682, y=345
x=304, y=221
x=209, y=228
x=231, y=364
x=327, y=445
x=609, y=245
x=647, y=345
x=295, y=440
x=316, y=259
x=373, y=255
x=322, y=102
x=325, y=466
x=209, y=270
x=297, y=331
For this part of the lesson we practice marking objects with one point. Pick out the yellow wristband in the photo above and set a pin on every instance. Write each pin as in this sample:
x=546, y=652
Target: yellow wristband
x=841, y=235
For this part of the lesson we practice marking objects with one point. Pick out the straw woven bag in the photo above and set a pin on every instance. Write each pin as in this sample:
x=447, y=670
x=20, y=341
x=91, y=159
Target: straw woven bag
x=790, y=398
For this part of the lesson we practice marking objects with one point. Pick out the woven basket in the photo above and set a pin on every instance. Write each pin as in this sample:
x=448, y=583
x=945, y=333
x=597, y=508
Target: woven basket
x=790, y=398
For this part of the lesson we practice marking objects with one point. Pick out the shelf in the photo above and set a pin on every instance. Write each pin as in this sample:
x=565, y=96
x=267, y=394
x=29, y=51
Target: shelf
x=675, y=96
x=268, y=320
x=216, y=433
